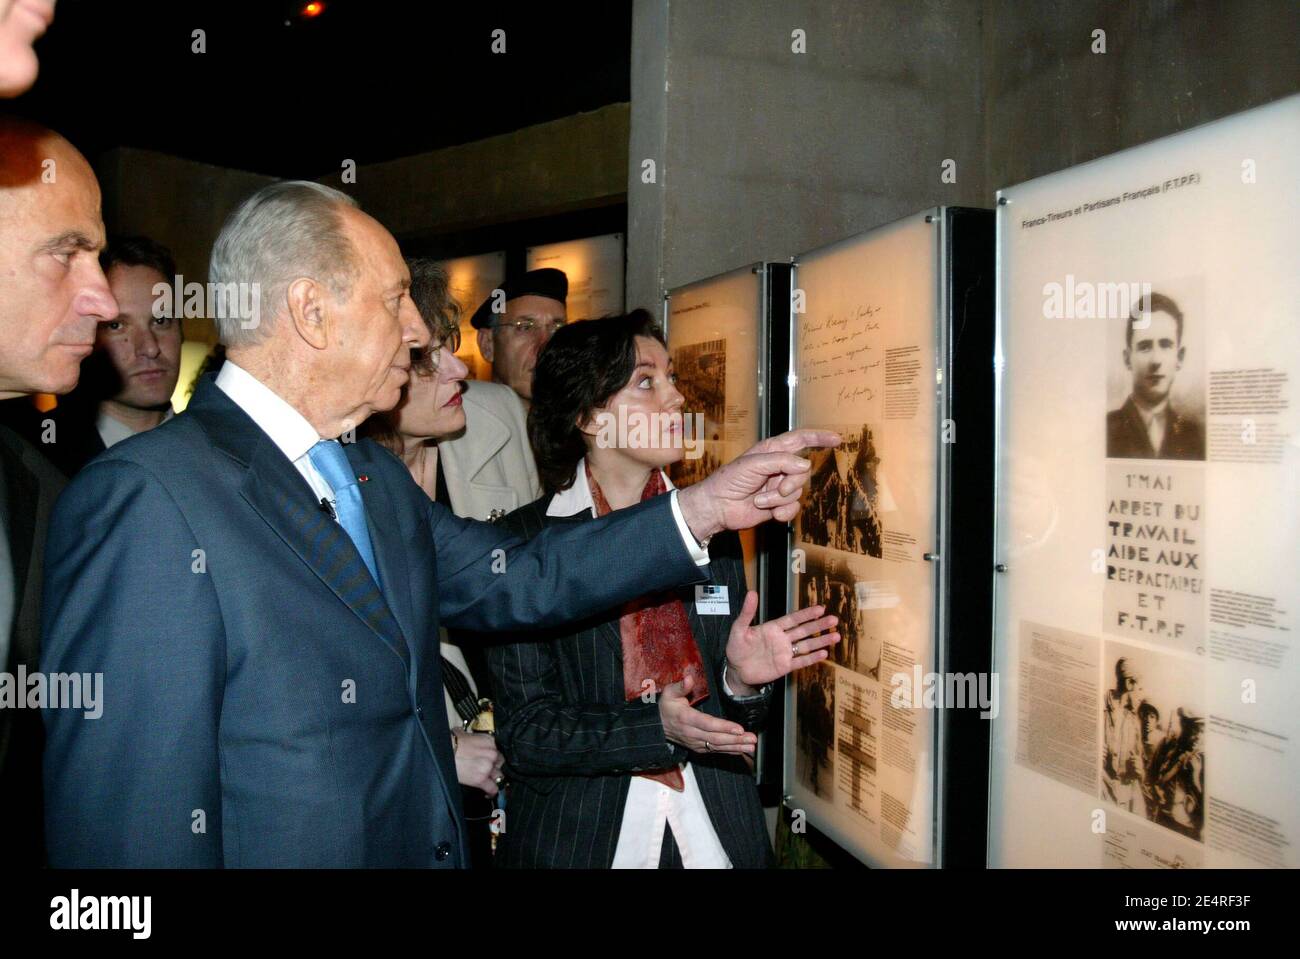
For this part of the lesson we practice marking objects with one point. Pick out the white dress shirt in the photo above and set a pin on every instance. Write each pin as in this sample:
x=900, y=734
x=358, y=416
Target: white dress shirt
x=288, y=429
x=1154, y=419
x=113, y=431
x=651, y=804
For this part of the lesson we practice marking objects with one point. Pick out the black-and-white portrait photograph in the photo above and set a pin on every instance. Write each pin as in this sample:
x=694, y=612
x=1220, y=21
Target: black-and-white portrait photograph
x=842, y=506
x=1155, y=383
x=701, y=370
x=815, y=728
x=829, y=581
x=1153, y=734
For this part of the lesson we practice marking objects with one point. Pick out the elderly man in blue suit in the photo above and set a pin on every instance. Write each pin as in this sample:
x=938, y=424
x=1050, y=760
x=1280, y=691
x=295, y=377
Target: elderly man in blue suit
x=263, y=601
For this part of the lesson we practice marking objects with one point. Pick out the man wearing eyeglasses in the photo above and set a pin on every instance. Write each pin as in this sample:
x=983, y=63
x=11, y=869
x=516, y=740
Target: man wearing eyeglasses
x=516, y=323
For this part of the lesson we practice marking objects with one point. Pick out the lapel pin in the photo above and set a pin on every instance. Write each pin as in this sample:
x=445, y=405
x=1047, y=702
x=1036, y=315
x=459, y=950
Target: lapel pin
x=363, y=478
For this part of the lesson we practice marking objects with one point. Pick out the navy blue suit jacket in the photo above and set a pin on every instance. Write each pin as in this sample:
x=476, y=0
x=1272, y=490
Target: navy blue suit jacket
x=264, y=705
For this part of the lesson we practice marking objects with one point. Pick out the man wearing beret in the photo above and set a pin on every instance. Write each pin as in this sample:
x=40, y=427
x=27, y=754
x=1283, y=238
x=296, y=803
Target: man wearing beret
x=531, y=309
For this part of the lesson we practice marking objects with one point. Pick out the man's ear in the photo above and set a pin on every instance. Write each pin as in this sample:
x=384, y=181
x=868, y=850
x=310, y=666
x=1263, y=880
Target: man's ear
x=1127, y=364
x=485, y=343
x=307, y=310
x=1182, y=353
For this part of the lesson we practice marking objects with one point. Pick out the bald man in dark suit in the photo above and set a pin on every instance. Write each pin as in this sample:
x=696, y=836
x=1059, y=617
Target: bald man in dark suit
x=53, y=294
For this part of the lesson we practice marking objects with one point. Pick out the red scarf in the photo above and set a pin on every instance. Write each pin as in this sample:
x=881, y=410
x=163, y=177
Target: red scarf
x=657, y=639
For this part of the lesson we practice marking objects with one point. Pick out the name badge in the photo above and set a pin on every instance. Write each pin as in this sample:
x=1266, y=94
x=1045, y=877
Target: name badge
x=712, y=601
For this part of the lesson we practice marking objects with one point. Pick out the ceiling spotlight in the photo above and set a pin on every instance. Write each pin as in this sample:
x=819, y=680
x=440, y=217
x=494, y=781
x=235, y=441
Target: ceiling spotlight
x=313, y=9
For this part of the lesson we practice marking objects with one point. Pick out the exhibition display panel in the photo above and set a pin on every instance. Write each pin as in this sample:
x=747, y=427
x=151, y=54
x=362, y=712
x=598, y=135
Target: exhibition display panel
x=594, y=266
x=472, y=280
x=720, y=334
x=871, y=353
x=716, y=330
x=1146, y=595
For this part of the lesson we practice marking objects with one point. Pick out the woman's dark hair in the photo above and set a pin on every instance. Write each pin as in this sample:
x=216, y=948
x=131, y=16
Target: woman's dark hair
x=582, y=366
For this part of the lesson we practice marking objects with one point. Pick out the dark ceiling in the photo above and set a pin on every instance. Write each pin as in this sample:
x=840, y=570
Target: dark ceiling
x=283, y=94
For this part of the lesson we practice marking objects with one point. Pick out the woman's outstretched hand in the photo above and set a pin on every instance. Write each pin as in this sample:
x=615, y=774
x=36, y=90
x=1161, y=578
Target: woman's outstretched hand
x=696, y=729
x=761, y=654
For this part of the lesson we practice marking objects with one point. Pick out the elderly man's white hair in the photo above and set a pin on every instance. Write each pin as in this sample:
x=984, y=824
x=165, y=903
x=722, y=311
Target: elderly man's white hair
x=283, y=232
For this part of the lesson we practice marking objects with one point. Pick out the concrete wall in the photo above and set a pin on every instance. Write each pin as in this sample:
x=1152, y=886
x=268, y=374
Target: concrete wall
x=180, y=203
x=767, y=152
x=1169, y=65
x=763, y=152
x=647, y=203
x=573, y=163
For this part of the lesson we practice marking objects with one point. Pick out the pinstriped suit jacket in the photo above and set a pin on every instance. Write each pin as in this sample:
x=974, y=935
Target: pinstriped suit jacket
x=572, y=743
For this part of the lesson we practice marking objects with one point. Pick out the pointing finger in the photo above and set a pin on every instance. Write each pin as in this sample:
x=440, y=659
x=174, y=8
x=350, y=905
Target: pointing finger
x=794, y=440
x=778, y=463
x=784, y=514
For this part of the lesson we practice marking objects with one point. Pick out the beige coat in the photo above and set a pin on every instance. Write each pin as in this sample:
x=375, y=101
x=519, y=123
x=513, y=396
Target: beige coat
x=487, y=467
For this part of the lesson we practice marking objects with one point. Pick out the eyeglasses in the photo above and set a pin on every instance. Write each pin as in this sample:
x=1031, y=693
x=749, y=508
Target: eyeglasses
x=528, y=325
x=425, y=361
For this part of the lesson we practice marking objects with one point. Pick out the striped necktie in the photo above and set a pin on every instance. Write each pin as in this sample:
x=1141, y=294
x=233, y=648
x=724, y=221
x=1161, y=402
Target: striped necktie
x=332, y=464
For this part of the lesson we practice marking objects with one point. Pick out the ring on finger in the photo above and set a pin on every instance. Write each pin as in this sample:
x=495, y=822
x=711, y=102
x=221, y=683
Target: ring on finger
x=795, y=648
x=708, y=746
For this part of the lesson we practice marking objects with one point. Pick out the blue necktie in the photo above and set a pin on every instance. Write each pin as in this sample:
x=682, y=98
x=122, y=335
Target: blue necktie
x=332, y=464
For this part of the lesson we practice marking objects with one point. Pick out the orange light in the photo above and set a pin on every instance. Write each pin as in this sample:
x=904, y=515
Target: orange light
x=313, y=9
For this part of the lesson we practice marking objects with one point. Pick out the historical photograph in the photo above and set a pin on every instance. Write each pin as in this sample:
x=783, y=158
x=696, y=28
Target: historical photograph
x=1153, y=725
x=688, y=470
x=815, y=728
x=1158, y=399
x=829, y=581
x=701, y=370
x=842, y=506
